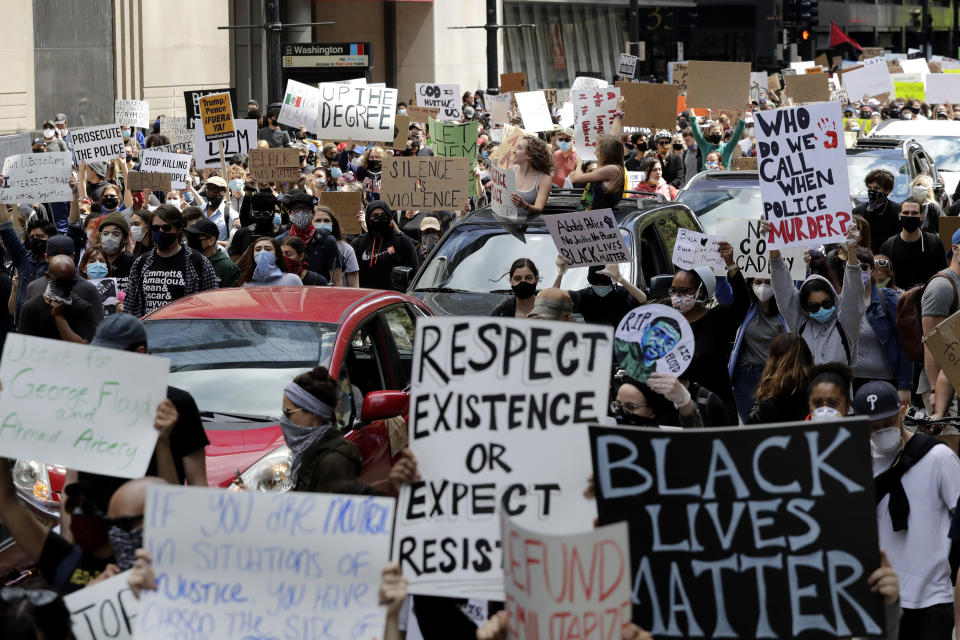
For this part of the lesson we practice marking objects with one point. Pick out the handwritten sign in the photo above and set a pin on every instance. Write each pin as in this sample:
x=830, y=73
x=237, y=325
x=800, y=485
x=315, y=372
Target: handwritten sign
x=175, y=164
x=910, y=90
x=248, y=565
x=97, y=143
x=192, y=101
x=677, y=72
x=534, y=111
x=503, y=184
x=456, y=141
x=88, y=408
x=587, y=238
x=206, y=154
x=301, y=106
x=425, y=183
x=502, y=156
x=803, y=174
x=594, y=568
x=36, y=177
x=495, y=452
x=216, y=113
x=499, y=106
x=513, y=81
x=421, y=114
x=176, y=129
x=107, y=609
x=784, y=513
x=628, y=65
x=653, y=338
x=445, y=97
x=593, y=113
x=750, y=249
x=133, y=113
x=356, y=113
x=345, y=206
x=275, y=165
x=694, y=249
x=140, y=180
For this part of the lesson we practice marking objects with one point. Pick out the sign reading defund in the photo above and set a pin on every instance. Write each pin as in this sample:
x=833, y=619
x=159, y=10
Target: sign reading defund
x=497, y=420
x=745, y=533
x=802, y=164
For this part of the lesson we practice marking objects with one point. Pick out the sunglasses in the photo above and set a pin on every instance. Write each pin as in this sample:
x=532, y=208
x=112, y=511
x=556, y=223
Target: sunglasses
x=166, y=228
x=883, y=263
x=126, y=523
x=36, y=597
x=813, y=307
x=287, y=413
x=564, y=140
x=631, y=407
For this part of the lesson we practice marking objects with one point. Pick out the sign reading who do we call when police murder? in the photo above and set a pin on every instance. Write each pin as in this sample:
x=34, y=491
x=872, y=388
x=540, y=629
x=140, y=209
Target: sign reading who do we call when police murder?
x=88, y=408
x=802, y=164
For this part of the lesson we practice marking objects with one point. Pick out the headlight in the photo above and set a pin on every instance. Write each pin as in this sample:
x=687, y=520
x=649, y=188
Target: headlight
x=32, y=479
x=271, y=473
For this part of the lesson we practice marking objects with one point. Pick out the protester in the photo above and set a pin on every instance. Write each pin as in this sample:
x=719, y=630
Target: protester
x=31, y=260
x=58, y=313
x=781, y=394
x=533, y=167
x=215, y=207
x=381, y=248
x=691, y=155
x=349, y=268
x=202, y=237
x=271, y=133
x=552, y=304
x=883, y=273
x=523, y=277
x=671, y=164
x=941, y=298
x=114, y=232
x=882, y=213
x=654, y=183
x=603, y=186
x=429, y=237
x=608, y=298
x=565, y=158
x=367, y=168
x=713, y=141
x=63, y=246
x=321, y=253
x=828, y=393
x=265, y=223
x=293, y=258
x=915, y=254
x=30, y=614
x=921, y=190
x=263, y=266
x=662, y=400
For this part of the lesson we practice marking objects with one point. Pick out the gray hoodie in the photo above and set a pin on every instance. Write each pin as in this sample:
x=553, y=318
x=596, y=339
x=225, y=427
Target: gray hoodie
x=823, y=339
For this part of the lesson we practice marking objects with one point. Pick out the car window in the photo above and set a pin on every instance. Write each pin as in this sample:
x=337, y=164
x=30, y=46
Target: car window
x=714, y=203
x=945, y=151
x=858, y=166
x=400, y=321
x=365, y=363
x=651, y=250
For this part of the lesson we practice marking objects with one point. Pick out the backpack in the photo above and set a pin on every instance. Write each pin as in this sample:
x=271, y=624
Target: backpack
x=843, y=337
x=889, y=481
x=910, y=317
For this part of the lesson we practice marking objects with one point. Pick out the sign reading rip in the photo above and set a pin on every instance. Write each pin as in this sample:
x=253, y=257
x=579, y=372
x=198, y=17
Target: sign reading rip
x=217, y=115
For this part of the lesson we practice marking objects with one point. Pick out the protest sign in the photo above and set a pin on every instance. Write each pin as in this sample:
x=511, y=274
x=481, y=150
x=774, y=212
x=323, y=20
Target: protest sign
x=132, y=113
x=301, y=106
x=803, y=174
x=740, y=534
x=593, y=112
x=109, y=294
x=744, y=163
x=628, y=65
x=499, y=106
x=943, y=88
x=425, y=183
x=594, y=569
x=216, y=113
x=456, y=141
x=821, y=61
x=421, y=114
x=14, y=145
x=943, y=341
x=176, y=164
x=176, y=129
x=140, y=180
x=207, y=154
x=97, y=143
x=583, y=83
x=587, y=238
x=275, y=165
x=750, y=249
x=910, y=90
x=758, y=85
x=871, y=52
x=503, y=185
x=491, y=434
x=915, y=65
x=813, y=87
x=176, y=147
x=513, y=81
x=258, y=563
x=401, y=131
x=534, y=111
x=867, y=81
x=718, y=85
x=678, y=74
x=802, y=65
x=345, y=206
x=106, y=609
x=502, y=156
x=653, y=338
x=36, y=177
x=445, y=97
x=356, y=113
x=773, y=83
x=694, y=249
x=89, y=408
x=649, y=104
x=192, y=101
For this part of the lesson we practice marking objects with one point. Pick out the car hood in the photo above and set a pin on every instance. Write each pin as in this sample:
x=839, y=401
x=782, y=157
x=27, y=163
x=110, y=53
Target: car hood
x=460, y=304
x=233, y=449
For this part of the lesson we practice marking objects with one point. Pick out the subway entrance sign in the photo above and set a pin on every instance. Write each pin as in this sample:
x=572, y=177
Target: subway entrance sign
x=313, y=55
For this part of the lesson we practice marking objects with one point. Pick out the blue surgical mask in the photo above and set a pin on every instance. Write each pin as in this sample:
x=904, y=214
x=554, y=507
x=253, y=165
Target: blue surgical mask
x=484, y=154
x=563, y=145
x=96, y=270
x=602, y=290
x=401, y=112
x=126, y=133
x=335, y=172
x=323, y=227
x=236, y=184
x=266, y=266
x=277, y=219
x=711, y=166
x=823, y=315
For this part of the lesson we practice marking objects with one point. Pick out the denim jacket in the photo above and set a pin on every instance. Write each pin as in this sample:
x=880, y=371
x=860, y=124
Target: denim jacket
x=883, y=321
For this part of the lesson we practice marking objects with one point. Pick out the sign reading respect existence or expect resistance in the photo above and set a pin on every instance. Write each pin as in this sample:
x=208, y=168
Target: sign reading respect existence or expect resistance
x=802, y=164
x=88, y=408
x=495, y=404
x=36, y=177
x=253, y=565
x=768, y=532
x=360, y=112
x=426, y=183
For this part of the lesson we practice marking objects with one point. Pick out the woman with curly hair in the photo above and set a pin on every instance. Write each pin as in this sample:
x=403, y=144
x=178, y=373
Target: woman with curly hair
x=533, y=167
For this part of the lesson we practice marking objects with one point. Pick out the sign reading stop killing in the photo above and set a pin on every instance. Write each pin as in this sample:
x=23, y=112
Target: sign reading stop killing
x=802, y=164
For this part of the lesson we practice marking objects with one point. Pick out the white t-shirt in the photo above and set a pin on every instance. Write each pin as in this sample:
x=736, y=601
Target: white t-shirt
x=919, y=554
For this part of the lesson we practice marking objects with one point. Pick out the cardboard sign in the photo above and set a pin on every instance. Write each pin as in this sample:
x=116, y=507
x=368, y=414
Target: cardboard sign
x=871, y=52
x=107, y=609
x=495, y=452
x=868, y=81
x=89, y=408
x=513, y=81
x=36, y=177
x=587, y=238
x=301, y=106
x=133, y=113
x=718, y=85
x=750, y=249
x=678, y=72
x=445, y=97
x=103, y=142
x=216, y=113
x=421, y=114
x=649, y=105
x=503, y=186
x=944, y=344
x=821, y=60
x=653, y=338
x=499, y=106
x=14, y=145
x=176, y=129
x=175, y=164
x=803, y=174
x=456, y=141
x=206, y=154
x=425, y=183
x=773, y=83
x=694, y=249
x=534, y=111
x=304, y=561
x=275, y=165
x=140, y=180
x=401, y=131
x=628, y=65
x=942, y=88
x=595, y=565
x=356, y=113
x=593, y=112
x=947, y=227
x=710, y=511
x=192, y=101
x=744, y=163
x=808, y=88
x=345, y=206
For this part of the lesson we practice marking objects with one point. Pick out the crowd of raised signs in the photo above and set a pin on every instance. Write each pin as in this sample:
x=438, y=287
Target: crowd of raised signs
x=529, y=503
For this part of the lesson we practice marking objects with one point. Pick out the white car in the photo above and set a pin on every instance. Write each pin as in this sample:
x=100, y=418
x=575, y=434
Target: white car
x=941, y=139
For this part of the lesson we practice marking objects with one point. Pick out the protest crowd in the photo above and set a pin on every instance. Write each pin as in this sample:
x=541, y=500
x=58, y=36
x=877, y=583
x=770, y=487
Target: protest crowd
x=818, y=371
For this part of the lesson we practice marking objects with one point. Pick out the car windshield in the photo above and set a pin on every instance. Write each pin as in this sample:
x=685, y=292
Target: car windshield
x=859, y=165
x=945, y=151
x=727, y=202
x=476, y=258
x=239, y=366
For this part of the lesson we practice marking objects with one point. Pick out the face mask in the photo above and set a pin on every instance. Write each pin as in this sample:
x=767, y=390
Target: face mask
x=601, y=289
x=711, y=166
x=763, y=292
x=38, y=245
x=126, y=133
x=301, y=220
x=909, y=223
x=524, y=290
x=677, y=146
x=563, y=145
x=825, y=413
x=195, y=242
x=236, y=184
x=89, y=532
x=48, y=133
x=885, y=441
x=875, y=196
x=277, y=219
x=622, y=417
x=293, y=265
x=110, y=243
x=125, y=545
x=323, y=227
x=174, y=201
x=683, y=303
x=266, y=265
x=920, y=193
x=715, y=138
x=641, y=146
x=373, y=165
x=822, y=315
x=483, y=153
x=97, y=270
x=58, y=293
x=402, y=112
x=335, y=173
x=110, y=203
x=866, y=277
x=164, y=240
x=214, y=201
x=138, y=233
x=378, y=226
x=300, y=438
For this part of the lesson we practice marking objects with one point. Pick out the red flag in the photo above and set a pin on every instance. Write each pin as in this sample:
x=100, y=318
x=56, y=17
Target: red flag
x=838, y=37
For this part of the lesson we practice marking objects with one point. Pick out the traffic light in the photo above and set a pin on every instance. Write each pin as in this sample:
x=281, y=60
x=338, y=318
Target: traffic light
x=805, y=34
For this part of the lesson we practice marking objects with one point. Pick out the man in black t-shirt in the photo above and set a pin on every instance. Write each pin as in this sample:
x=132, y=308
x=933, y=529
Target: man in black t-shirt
x=603, y=302
x=916, y=255
x=58, y=313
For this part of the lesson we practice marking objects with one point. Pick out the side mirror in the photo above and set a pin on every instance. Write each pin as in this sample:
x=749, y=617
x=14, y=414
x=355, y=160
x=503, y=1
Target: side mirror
x=660, y=286
x=400, y=278
x=380, y=405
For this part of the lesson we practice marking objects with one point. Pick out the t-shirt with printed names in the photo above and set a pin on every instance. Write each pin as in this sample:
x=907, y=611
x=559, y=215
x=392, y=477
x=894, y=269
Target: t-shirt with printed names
x=164, y=281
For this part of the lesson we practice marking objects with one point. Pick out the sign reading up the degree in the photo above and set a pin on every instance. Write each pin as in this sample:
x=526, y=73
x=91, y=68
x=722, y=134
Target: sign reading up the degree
x=217, y=115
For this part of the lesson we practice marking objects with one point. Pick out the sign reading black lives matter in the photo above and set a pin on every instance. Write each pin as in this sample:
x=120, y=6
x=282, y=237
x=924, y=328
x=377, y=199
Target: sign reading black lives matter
x=498, y=415
x=765, y=532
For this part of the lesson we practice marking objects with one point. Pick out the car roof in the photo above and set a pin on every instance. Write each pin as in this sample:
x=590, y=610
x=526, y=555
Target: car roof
x=565, y=201
x=723, y=179
x=295, y=304
x=908, y=128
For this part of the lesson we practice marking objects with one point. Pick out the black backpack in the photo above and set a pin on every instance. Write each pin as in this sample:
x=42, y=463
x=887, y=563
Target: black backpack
x=889, y=482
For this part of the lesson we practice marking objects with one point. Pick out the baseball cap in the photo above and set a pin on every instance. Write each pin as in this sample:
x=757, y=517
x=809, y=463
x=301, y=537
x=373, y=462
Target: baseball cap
x=877, y=400
x=253, y=102
x=956, y=237
x=358, y=149
x=119, y=331
x=298, y=195
x=430, y=223
x=60, y=245
x=204, y=227
x=217, y=181
x=61, y=118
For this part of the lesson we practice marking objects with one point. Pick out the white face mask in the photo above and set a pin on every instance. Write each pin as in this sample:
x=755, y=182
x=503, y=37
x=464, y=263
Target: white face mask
x=825, y=413
x=885, y=441
x=763, y=292
x=138, y=232
x=48, y=133
x=174, y=201
x=920, y=193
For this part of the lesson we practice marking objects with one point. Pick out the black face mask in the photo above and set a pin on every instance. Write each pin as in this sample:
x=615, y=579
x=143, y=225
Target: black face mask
x=622, y=417
x=373, y=165
x=195, y=242
x=110, y=203
x=715, y=138
x=641, y=146
x=38, y=245
x=214, y=201
x=875, y=196
x=164, y=240
x=378, y=226
x=263, y=225
x=909, y=223
x=524, y=290
x=677, y=146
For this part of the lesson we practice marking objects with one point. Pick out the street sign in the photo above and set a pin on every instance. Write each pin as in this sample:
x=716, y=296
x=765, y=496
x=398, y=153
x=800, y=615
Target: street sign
x=326, y=55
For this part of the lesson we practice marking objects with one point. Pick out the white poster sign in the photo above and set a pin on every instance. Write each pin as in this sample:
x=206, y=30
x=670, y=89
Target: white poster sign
x=593, y=113
x=802, y=164
x=445, y=97
x=915, y=65
x=301, y=565
x=88, y=408
x=176, y=164
x=694, y=249
x=301, y=106
x=176, y=130
x=491, y=433
x=107, y=609
x=356, y=113
x=132, y=113
x=504, y=184
x=801, y=65
x=14, y=145
x=97, y=143
x=628, y=65
x=534, y=111
x=499, y=106
x=869, y=81
x=36, y=177
x=943, y=88
x=750, y=249
x=587, y=238
x=586, y=82
x=206, y=155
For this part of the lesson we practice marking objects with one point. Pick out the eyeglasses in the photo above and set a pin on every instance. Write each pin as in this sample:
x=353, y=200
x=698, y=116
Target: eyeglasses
x=813, y=307
x=36, y=597
x=630, y=407
x=681, y=291
x=126, y=523
x=114, y=234
x=287, y=413
x=883, y=263
x=157, y=228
